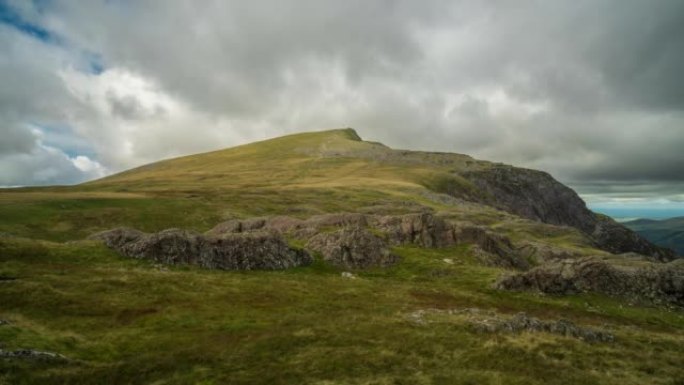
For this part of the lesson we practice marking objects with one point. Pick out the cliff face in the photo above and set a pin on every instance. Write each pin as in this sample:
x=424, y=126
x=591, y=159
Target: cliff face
x=538, y=196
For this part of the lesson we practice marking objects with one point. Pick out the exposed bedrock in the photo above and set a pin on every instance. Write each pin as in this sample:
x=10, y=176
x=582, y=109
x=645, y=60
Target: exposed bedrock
x=538, y=196
x=630, y=277
x=232, y=251
x=353, y=248
x=338, y=231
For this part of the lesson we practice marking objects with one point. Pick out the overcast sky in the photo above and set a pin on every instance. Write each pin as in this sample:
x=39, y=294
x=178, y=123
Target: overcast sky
x=591, y=91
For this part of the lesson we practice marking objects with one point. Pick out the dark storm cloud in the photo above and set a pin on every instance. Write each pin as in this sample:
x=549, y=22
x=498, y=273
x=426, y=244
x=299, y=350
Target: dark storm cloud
x=589, y=90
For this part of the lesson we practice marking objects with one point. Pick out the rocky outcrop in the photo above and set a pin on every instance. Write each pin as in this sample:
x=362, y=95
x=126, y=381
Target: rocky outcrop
x=628, y=277
x=234, y=251
x=425, y=229
x=538, y=196
x=491, y=321
x=353, y=248
x=422, y=229
x=521, y=322
x=543, y=252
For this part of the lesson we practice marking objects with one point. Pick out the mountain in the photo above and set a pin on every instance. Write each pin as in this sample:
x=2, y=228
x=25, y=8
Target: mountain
x=294, y=168
x=321, y=258
x=666, y=233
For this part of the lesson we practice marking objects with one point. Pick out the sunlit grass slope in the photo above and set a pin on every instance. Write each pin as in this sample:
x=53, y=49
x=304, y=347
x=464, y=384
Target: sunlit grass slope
x=298, y=175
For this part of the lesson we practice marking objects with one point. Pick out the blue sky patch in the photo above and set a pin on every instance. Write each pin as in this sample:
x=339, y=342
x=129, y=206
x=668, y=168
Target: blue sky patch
x=11, y=17
x=62, y=137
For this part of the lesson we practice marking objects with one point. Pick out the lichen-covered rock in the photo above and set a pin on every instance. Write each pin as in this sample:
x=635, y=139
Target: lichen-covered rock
x=636, y=279
x=521, y=322
x=234, y=251
x=353, y=248
x=423, y=229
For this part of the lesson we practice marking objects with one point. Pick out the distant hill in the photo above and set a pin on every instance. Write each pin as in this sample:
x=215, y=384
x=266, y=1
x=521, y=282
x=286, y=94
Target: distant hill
x=667, y=232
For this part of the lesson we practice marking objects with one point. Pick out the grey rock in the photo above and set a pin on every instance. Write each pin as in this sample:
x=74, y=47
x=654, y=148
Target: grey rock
x=523, y=323
x=237, y=251
x=542, y=252
x=636, y=279
x=422, y=229
x=353, y=248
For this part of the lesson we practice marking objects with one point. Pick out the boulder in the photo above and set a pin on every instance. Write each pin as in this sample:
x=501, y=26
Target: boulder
x=634, y=278
x=353, y=248
x=422, y=229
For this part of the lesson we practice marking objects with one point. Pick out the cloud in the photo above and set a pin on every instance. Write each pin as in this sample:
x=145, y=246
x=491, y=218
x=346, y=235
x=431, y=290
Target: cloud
x=588, y=90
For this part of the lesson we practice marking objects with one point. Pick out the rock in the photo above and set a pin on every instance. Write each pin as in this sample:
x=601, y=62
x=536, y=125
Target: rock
x=424, y=229
x=490, y=249
x=448, y=261
x=239, y=251
x=542, y=252
x=510, y=261
x=353, y=248
x=29, y=354
x=635, y=279
x=522, y=323
x=538, y=196
x=346, y=274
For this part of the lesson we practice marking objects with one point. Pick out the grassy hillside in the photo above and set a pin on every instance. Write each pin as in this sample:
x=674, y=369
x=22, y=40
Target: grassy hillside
x=124, y=321
x=666, y=232
x=298, y=175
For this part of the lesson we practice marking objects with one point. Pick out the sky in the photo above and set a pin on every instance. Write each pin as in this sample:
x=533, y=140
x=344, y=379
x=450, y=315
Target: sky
x=591, y=91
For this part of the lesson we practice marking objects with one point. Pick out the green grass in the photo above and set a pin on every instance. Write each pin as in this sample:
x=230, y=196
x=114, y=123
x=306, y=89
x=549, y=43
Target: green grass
x=127, y=321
